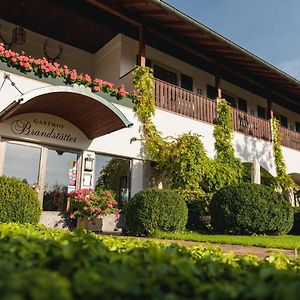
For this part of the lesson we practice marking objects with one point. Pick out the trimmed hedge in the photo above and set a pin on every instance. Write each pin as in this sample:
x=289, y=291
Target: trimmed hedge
x=155, y=209
x=296, y=225
x=250, y=209
x=40, y=264
x=18, y=202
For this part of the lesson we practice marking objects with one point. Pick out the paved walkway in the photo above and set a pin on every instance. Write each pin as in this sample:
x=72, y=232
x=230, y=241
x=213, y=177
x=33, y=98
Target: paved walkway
x=239, y=250
x=236, y=249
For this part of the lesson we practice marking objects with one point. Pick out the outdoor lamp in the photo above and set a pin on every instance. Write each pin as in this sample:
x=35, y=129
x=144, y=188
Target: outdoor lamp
x=18, y=37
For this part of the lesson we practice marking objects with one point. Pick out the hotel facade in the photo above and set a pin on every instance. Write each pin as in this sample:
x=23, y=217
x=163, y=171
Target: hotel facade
x=58, y=136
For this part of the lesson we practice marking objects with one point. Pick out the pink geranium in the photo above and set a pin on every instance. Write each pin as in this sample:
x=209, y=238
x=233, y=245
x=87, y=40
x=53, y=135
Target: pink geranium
x=42, y=67
x=91, y=204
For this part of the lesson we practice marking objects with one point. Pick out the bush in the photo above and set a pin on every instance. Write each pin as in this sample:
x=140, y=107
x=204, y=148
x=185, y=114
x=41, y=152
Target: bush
x=296, y=225
x=155, y=209
x=250, y=209
x=60, y=265
x=198, y=216
x=18, y=202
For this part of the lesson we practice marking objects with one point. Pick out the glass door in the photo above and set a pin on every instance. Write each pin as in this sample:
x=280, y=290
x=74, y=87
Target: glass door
x=23, y=162
x=60, y=178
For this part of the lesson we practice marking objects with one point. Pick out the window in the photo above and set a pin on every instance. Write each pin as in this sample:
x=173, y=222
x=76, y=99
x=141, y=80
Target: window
x=165, y=75
x=261, y=112
x=186, y=82
x=242, y=104
x=297, y=126
x=211, y=92
x=282, y=119
x=229, y=99
x=112, y=173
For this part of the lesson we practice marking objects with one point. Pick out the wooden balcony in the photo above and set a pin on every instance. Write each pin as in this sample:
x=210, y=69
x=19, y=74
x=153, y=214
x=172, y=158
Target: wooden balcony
x=183, y=102
x=251, y=125
x=173, y=98
x=290, y=138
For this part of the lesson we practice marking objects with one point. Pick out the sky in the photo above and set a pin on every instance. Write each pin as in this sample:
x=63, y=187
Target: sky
x=269, y=29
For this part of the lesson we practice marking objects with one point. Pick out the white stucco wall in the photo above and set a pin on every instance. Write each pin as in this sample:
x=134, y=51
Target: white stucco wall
x=8, y=93
x=106, y=61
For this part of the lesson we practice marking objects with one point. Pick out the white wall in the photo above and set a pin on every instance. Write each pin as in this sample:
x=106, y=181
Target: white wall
x=292, y=159
x=106, y=61
x=8, y=93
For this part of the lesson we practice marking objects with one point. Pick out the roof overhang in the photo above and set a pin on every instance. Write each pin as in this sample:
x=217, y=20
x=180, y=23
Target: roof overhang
x=98, y=21
x=170, y=24
x=89, y=112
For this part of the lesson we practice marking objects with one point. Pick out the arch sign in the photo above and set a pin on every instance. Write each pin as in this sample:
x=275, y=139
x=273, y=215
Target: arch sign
x=44, y=128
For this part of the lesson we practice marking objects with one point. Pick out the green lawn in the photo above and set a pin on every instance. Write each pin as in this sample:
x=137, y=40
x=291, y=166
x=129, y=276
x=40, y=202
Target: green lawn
x=284, y=241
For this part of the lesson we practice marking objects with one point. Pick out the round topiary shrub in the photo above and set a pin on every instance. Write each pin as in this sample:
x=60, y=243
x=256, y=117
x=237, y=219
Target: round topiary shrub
x=155, y=209
x=18, y=202
x=296, y=226
x=250, y=209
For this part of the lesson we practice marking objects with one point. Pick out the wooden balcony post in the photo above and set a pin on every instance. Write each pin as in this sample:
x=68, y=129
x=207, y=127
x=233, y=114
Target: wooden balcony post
x=218, y=82
x=270, y=113
x=142, y=46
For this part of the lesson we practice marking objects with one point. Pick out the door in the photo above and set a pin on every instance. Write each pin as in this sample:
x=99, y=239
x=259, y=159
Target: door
x=60, y=178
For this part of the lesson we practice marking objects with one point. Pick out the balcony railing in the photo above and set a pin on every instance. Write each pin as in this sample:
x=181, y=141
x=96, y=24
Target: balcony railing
x=290, y=138
x=184, y=102
x=251, y=125
x=178, y=100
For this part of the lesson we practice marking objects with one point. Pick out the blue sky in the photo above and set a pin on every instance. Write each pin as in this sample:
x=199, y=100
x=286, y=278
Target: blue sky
x=267, y=28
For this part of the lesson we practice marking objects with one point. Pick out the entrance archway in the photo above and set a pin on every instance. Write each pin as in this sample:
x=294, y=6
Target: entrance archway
x=47, y=131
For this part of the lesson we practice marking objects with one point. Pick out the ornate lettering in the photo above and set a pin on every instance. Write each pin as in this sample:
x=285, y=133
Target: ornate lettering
x=24, y=127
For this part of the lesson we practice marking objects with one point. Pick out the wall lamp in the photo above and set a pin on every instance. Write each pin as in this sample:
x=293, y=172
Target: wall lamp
x=134, y=139
x=18, y=37
x=88, y=163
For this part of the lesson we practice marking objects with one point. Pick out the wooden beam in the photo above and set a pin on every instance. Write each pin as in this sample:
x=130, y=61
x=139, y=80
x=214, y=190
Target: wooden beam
x=154, y=13
x=142, y=46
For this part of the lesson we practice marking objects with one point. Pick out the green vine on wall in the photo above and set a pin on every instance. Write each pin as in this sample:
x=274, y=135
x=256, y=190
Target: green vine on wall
x=184, y=159
x=283, y=180
x=226, y=168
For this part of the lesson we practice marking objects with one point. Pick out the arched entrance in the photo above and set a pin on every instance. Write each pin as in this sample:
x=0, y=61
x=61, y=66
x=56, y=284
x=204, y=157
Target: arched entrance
x=45, y=135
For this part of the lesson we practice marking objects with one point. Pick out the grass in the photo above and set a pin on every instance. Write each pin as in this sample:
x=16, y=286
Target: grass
x=282, y=242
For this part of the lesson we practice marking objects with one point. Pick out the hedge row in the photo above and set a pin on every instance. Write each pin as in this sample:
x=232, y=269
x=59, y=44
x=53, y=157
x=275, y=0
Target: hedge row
x=39, y=264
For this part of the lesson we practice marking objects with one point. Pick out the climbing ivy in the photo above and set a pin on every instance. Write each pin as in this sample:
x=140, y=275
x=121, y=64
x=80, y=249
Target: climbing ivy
x=188, y=169
x=283, y=180
x=226, y=168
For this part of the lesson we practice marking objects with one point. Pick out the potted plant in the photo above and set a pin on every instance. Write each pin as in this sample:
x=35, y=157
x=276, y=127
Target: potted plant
x=87, y=205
